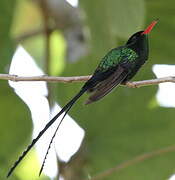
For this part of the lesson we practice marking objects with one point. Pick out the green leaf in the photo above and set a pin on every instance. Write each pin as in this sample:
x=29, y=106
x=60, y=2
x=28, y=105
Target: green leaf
x=125, y=17
x=6, y=43
x=57, y=47
x=15, y=126
x=110, y=19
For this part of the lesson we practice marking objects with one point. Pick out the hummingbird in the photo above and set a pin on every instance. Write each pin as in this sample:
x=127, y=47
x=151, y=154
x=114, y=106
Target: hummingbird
x=118, y=66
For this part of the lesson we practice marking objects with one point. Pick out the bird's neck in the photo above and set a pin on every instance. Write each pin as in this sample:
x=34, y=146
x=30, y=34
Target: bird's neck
x=140, y=47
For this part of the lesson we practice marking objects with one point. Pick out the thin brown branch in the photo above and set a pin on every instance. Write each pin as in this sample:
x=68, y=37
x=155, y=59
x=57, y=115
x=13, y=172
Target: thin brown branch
x=44, y=78
x=134, y=84
x=47, y=33
x=29, y=34
x=133, y=161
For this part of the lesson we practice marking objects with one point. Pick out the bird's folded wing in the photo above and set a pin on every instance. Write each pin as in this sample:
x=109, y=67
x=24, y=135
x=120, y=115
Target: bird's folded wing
x=106, y=86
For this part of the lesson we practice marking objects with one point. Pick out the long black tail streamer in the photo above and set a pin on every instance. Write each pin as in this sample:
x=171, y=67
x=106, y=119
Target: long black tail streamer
x=67, y=106
x=52, y=140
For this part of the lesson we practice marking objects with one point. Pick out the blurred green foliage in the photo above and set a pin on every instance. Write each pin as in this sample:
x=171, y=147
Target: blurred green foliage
x=122, y=125
x=6, y=44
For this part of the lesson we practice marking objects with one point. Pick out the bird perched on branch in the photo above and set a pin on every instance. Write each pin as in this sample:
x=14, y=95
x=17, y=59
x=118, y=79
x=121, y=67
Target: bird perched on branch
x=117, y=67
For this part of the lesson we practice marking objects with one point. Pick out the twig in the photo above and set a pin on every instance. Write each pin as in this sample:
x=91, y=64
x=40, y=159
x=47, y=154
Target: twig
x=133, y=161
x=44, y=78
x=47, y=33
x=134, y=84
x=30, y=34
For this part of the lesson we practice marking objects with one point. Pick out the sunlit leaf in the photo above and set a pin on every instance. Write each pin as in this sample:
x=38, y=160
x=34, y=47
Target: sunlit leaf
x=57, y=47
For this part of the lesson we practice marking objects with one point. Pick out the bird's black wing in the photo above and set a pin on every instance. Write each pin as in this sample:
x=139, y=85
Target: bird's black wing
x=107, y=85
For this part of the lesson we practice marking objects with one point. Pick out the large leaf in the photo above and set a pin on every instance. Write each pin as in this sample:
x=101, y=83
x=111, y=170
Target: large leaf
x=109, y=19
x=14, y=128
x=6, y=44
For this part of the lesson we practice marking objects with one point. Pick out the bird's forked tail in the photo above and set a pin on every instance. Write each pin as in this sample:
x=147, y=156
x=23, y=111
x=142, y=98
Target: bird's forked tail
x=65, y=109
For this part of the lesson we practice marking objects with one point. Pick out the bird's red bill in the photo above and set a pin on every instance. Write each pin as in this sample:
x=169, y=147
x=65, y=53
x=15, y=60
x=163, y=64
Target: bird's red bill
x=150, y=27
